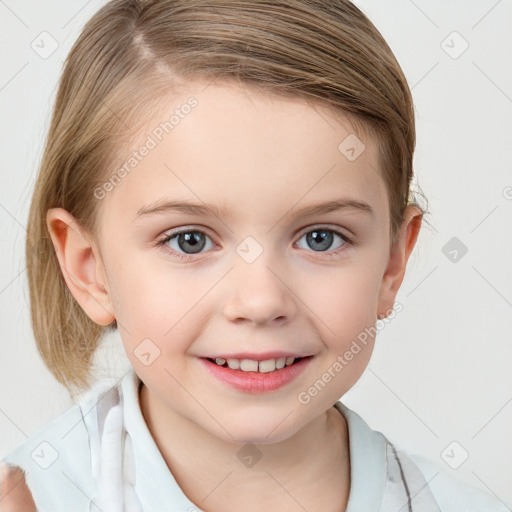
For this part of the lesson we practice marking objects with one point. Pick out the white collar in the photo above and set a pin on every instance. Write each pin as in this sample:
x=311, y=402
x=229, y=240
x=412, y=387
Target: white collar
x=154, y=482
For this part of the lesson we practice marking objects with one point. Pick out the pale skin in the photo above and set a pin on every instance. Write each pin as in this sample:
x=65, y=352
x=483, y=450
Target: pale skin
x=14, y=493
x=265, y=158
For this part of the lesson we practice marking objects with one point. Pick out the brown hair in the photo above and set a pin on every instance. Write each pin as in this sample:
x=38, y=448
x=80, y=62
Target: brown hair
x=324, y=51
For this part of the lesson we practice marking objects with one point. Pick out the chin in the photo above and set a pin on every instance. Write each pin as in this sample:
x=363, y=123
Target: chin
x=256, y=438
x=264, y=430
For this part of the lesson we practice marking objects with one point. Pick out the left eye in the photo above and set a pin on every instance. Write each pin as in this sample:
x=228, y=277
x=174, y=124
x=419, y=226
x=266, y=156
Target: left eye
x=321, y=239
x=193, y=241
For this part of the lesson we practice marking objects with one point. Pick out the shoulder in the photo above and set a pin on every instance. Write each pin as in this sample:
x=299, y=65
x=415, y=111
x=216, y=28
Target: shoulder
x=57, y=458
x=393, y=477
x=453, y=494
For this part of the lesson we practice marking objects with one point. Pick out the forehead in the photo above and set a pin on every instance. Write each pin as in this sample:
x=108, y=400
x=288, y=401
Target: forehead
x=243, y=149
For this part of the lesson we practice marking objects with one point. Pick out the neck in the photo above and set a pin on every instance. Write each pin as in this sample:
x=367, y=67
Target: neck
x=310, y=470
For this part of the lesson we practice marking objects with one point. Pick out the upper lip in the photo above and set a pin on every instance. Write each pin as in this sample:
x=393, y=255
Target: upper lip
x=275, y=354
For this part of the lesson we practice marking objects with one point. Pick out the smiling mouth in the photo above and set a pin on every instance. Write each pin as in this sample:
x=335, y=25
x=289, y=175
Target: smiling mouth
x=256, y=376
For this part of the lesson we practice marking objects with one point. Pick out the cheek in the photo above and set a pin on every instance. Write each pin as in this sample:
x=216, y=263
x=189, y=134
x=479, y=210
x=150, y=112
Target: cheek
x=141, y=291
x=344, y=305
x=157, y=305
x=344, y=299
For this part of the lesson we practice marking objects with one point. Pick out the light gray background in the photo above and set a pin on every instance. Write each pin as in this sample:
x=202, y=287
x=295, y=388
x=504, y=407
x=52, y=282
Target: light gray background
x=441, y=368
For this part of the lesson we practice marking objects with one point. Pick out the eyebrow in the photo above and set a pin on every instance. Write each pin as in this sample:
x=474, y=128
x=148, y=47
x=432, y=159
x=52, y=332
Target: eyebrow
x=164, y=206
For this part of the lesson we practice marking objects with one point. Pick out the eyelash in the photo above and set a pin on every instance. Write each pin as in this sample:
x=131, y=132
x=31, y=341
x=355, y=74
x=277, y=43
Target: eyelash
x=187, y=257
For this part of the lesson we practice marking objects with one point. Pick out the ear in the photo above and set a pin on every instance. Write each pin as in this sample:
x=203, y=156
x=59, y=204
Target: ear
x=81, y=265
x=399, y=255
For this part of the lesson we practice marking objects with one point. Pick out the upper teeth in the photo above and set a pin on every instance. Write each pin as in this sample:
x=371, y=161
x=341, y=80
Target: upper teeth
x=250, y=365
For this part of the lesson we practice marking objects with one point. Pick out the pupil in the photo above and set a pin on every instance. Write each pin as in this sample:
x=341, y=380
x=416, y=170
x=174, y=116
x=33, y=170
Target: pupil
x=322, y=237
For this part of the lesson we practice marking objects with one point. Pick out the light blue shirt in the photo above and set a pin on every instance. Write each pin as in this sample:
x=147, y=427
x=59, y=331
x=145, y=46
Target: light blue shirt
x=100, y=455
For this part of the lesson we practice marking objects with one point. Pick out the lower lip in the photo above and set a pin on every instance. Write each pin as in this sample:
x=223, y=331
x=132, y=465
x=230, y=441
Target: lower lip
x=255, y=382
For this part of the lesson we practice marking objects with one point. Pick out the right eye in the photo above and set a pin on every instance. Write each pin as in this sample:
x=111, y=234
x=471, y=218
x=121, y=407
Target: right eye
x=188, y=241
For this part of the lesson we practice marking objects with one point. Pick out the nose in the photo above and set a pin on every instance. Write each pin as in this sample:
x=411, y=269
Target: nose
x=259, y=293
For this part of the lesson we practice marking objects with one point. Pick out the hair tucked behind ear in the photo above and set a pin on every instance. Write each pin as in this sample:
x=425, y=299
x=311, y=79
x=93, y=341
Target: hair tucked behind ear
x=133, y=52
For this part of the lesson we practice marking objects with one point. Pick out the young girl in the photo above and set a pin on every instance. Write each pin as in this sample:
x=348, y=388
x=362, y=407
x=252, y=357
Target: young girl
x=227, y=184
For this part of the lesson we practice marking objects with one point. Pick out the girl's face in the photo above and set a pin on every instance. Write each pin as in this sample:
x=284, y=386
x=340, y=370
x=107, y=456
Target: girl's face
x=256, y=269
